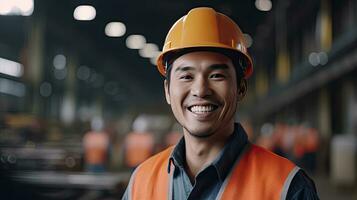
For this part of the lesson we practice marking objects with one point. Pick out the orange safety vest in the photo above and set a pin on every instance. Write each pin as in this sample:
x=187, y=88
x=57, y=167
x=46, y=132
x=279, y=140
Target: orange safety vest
x=257, y=174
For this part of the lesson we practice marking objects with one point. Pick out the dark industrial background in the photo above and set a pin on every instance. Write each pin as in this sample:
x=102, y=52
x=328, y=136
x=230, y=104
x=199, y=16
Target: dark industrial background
x=60, y=77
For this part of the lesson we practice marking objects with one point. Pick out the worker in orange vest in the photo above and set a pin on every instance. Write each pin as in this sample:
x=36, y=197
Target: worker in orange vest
x=96, y=144
x=96, y=147
x=139, y=146
x=206, y=64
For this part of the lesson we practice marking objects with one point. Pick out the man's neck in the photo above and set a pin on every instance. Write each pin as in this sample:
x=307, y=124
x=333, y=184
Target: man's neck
x=201, y=152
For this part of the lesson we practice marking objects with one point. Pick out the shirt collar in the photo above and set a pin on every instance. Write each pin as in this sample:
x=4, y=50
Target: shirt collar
x=230, y=152
x=178, y=156
x=225, y=159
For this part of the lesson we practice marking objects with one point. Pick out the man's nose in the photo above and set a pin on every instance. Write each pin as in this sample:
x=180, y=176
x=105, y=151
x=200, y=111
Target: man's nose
x=201, y=87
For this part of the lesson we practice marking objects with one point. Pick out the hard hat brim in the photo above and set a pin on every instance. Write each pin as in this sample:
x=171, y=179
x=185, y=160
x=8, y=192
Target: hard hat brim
x=169, y=56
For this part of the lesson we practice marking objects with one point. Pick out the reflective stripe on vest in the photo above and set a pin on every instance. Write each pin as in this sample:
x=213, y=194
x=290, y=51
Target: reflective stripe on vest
x=257, y=174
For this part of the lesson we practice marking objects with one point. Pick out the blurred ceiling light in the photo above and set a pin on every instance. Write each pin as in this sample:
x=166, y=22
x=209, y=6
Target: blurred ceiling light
x=149, y=50
x=83, y=73
x=248, y=40
x=323, y=58
x=16, y=7
x=153, y=61
x=11, y=68
x=5, y=7
x=12, y=87
x=263, y=5
x=320, y=58
x=135, y=41
x=59, y=61
x=115, y=29
x=45, y=89
x=314, y=59
x=154, y=58
x=84, y=13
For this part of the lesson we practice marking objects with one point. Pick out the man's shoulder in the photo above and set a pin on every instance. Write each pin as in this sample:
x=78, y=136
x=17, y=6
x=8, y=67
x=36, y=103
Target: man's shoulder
x=302, y=187
x=269, y=156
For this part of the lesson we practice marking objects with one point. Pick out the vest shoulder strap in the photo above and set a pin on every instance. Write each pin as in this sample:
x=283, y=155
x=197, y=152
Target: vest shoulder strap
x=150, y=180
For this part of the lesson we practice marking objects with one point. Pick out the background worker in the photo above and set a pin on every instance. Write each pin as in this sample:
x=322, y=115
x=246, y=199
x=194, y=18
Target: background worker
x=138, y=146
x=96, y=147
x=206, y=64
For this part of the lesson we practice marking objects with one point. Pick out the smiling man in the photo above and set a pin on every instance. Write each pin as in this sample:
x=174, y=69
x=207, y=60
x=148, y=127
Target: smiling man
x=206, y=65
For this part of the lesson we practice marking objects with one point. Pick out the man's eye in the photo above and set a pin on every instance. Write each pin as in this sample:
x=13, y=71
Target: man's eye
x=217, y=76
x=186, y=77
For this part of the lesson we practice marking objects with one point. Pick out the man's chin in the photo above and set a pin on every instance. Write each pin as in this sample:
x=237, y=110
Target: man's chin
x=203, y=133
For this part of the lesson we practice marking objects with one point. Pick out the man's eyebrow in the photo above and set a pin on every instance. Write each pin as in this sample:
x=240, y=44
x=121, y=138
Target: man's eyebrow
x=211, y=67
x=218, y=67
x=184, y=68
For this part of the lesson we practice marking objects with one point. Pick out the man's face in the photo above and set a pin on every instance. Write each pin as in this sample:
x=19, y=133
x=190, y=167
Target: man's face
x=203, y=93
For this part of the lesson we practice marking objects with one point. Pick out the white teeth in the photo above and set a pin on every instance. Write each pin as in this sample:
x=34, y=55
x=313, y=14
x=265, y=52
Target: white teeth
x=202, y=109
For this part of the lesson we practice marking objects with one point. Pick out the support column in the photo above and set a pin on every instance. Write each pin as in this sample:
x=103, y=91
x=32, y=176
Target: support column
x=35, y=57
x=282, y=53
x=324, y=24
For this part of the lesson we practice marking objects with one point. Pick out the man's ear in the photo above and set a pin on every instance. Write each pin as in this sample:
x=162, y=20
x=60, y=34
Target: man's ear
x=242, y=89
x=167, y=92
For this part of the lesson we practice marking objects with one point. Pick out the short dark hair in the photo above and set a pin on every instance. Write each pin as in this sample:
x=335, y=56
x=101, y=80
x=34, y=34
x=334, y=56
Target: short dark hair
x=237, y=60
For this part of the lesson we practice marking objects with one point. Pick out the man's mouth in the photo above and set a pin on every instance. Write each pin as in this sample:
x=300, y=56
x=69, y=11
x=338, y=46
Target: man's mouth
x=201, y=109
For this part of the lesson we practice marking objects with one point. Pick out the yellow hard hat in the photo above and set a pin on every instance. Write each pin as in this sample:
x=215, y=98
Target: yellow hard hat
x=205, y=28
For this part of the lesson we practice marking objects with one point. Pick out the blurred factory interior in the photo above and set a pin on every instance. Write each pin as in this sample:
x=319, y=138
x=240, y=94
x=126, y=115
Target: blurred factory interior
x=82, y=104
